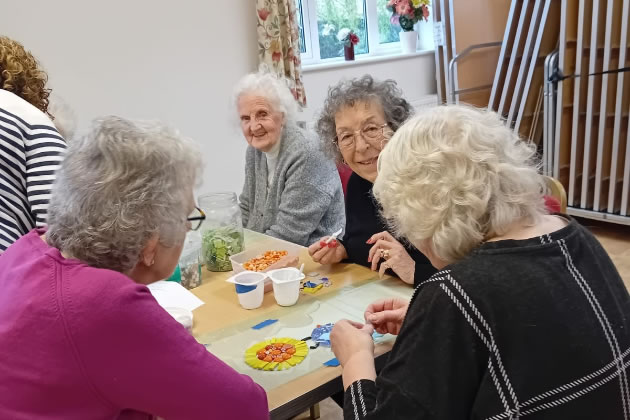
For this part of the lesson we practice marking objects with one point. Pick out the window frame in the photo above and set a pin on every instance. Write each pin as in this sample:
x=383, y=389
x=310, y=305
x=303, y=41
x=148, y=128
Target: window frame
x=311, y=36
x=301, y=5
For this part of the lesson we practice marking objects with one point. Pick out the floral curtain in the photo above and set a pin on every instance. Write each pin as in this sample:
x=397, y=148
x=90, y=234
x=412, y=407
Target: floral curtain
x=278, y=43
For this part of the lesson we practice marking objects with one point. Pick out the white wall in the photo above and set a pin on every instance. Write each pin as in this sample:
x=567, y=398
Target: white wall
x=176, y=62
x=414, y=74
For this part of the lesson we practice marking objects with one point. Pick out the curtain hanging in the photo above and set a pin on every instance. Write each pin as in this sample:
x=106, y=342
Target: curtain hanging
x=278, y=43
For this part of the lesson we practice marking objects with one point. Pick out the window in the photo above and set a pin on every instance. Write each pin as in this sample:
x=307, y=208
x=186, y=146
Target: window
x=387, y=31
x=320, y=21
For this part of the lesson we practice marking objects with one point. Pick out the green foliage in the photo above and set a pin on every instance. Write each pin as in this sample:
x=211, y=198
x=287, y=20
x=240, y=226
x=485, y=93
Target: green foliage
x=218, y=245
x=388, y=32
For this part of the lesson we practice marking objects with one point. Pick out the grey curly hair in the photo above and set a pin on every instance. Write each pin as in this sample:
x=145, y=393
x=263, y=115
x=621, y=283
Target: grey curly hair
x=118, y=186
x=348, y=92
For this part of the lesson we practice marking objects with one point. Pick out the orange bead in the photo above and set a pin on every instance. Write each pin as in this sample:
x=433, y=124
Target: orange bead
x=286, y=356
x=262, y=356
x=278, y=359
x=268, y=358
x=291, y=351
x=275, y=352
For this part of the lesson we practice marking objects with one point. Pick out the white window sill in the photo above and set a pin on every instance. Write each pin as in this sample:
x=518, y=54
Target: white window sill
x=359, y=60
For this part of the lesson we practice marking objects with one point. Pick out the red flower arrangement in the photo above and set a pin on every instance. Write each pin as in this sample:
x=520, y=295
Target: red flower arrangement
x=348, y=37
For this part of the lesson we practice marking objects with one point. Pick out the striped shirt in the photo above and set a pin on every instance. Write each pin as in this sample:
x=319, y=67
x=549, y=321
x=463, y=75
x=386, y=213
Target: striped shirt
x=31, y=150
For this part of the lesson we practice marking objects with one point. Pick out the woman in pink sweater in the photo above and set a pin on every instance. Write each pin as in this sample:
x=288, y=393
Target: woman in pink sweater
x=81, y=337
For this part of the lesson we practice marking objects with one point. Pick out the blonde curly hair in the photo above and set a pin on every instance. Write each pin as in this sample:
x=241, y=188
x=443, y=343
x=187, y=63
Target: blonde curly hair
x=21, y=74
x=455, y=176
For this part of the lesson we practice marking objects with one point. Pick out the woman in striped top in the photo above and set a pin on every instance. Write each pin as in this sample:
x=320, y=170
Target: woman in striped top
x=30, y=146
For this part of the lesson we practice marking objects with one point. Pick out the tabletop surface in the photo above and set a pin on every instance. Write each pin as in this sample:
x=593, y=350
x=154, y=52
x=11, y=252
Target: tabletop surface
x=226, y=328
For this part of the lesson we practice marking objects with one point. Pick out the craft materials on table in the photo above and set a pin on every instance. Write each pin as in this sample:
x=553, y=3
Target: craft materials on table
x=332, y=362
x=264, y=324
x=218, y=245
x=262, y=262
x=286, y=285
x=173, y=295
x=313, y=286
x=321, y=335
x=250, y=288
x=331, y=238
x=276, y=354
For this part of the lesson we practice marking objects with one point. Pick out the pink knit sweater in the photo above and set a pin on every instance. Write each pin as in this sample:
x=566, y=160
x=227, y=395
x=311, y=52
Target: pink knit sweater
x=78, y=342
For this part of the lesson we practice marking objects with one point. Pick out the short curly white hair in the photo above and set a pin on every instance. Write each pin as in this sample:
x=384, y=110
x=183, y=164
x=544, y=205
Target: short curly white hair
x=119, y=185
x=271, y=87
x=454, y=176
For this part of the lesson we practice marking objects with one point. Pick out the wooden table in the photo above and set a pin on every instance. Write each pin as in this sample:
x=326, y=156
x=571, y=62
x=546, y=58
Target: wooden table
x=222, y=310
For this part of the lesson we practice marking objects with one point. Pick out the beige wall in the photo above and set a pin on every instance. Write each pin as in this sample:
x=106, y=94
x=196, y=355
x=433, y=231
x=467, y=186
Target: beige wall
x=176, y=62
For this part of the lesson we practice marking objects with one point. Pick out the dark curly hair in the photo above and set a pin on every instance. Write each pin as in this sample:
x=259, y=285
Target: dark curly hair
x=21, y=74
x=348, y=92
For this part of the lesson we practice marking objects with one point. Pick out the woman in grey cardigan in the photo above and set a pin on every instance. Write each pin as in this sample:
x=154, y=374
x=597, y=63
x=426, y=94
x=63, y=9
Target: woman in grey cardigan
x=292, y=191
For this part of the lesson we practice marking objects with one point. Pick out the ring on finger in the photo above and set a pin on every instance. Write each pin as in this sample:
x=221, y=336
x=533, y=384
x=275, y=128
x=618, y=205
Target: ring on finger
x=385, y=254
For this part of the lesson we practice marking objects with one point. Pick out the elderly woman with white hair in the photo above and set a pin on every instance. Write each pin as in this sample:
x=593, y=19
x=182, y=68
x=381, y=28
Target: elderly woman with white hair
x=528, y=315
x=292, y=191
x=81, y=336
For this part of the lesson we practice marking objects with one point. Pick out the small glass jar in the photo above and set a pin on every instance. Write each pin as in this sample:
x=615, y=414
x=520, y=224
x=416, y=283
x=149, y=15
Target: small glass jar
x=190, y=261
x=222, y=231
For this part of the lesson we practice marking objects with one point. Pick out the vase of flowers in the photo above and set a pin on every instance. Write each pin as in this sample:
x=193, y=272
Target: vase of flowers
x=407, y=13
x=349, y=39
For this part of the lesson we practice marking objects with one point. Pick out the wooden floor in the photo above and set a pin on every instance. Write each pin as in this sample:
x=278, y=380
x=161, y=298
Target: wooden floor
x=614, y=238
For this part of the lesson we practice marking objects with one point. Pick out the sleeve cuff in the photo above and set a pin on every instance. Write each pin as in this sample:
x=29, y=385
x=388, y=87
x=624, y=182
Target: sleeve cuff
x=359, y=400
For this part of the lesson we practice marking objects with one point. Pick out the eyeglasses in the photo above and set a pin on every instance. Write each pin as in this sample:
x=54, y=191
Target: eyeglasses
x=369, y=132
x=196, y=219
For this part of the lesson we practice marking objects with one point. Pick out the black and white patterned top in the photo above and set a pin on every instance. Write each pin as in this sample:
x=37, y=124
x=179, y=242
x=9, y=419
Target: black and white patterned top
x=536, y=328
x=31, y=150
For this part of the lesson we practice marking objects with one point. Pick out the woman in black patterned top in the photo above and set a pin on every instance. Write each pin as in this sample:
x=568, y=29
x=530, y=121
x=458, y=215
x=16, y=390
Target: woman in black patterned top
x=528, y=316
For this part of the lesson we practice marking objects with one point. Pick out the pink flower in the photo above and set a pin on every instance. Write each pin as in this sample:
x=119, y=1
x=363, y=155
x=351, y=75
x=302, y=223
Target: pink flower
x=263, y=14
x=404, y=8
x=425, y=13
x=394, y=20
x=276, y=56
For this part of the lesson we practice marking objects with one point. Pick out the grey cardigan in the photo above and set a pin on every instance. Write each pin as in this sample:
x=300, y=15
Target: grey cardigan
x=305, y=200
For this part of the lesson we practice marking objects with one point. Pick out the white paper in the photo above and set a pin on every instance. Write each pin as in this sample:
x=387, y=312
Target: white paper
x=172, y=294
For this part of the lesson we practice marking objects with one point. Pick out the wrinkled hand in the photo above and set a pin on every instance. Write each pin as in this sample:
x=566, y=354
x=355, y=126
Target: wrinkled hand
x=387, y=315
x=330, y=253
x=399, y=260
x=349, y=338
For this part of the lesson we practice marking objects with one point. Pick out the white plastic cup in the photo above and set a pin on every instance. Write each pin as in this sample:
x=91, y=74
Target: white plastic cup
x=250, y=288
x=286, y=285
